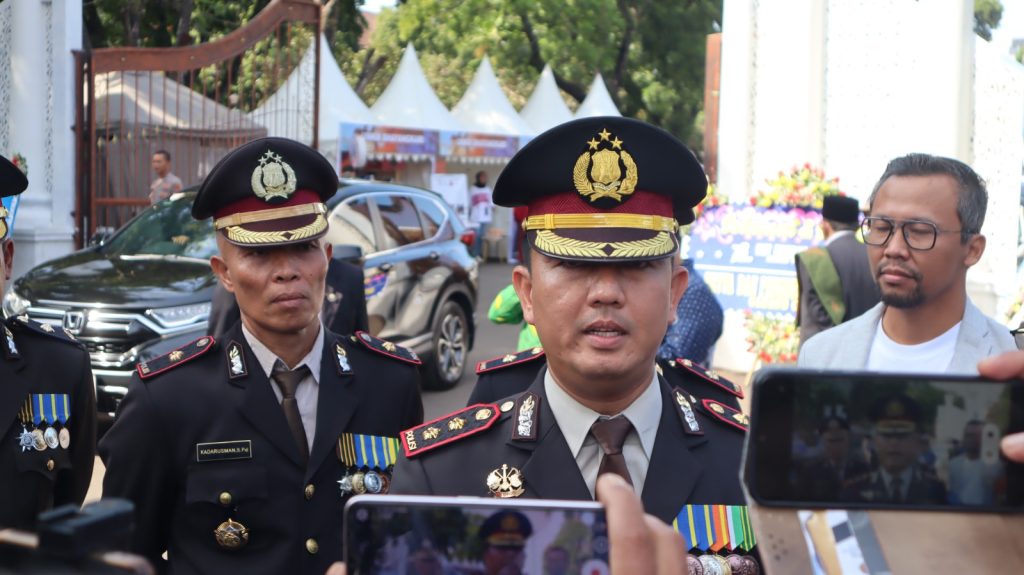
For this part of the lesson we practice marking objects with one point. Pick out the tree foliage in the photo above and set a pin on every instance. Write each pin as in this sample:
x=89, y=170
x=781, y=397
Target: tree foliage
x=987, y=14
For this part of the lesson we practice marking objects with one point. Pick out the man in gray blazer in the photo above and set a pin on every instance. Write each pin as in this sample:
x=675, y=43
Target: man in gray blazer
x=922, y=236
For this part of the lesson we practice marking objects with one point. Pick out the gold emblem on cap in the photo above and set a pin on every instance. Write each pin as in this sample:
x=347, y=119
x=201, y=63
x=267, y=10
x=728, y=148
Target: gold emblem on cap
x=273, y=178
x=505, y=482
x=598, y=170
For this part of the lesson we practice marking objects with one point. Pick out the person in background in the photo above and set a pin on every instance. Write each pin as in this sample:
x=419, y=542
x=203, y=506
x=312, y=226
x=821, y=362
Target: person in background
x=480, y=208
x=698, y=324
x=923, y=234
x=165, y=183
x=834, y=281
x=971, y=478
x=506, y=309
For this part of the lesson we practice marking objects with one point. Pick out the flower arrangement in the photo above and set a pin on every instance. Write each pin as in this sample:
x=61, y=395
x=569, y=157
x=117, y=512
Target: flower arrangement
x=803, y=187
x=19, y=162
x=713, y=199
x=771, y=340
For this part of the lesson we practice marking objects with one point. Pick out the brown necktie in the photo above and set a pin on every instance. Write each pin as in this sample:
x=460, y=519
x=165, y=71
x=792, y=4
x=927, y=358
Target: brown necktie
x=288, y=381
x=610, y=435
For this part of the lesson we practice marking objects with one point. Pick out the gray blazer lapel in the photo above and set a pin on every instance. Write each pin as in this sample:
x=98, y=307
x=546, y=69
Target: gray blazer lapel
x=853, y=350
x=972, y=343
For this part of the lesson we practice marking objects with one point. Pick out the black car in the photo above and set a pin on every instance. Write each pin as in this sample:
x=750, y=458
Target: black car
x=146, y=290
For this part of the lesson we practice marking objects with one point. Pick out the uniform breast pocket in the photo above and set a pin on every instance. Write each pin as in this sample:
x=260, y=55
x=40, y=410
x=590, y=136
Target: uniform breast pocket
x=226, y=484
x=47, y=463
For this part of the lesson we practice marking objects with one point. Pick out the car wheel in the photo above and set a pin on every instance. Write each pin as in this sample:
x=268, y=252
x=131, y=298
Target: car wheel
x=450, y=347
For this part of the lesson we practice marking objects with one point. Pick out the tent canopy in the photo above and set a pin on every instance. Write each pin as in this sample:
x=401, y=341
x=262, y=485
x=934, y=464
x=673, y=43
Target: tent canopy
x=409, y=101
x=286, y=112
x=598, y=101
x=484, y=107
x=545, y=109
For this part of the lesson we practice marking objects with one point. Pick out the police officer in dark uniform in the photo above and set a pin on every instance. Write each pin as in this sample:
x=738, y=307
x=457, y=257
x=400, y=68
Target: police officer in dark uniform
x=240, y=453
x=898, y=478
x=503, y=536
x=48, y=401
x=606, y=197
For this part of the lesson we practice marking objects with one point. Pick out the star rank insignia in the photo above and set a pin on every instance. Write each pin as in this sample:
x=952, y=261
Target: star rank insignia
x=387, y=348
x=177, y=357
x=709, y=376
x=509, y=359
x=726, y=414
x=452, y=427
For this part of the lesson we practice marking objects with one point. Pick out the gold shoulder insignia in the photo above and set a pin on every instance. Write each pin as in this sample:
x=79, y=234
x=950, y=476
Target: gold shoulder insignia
x=726, y=414
x=446, y=429
x=44, y=329
x=175, y=358
x=387, y=348
x=509, y=359
x=708, y=376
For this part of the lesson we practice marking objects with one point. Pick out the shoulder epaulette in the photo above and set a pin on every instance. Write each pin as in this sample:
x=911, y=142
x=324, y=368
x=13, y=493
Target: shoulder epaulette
x=509, y=359
x=708, y=375
x=726, y=414
x=387, y=348
x=182, y=355
x=446, y=429
x=58, y=333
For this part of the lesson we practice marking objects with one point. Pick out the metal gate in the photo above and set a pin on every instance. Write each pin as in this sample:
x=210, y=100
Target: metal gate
x=194, y=102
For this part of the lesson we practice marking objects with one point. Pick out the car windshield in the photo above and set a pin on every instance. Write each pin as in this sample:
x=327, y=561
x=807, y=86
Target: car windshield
x=165, y=229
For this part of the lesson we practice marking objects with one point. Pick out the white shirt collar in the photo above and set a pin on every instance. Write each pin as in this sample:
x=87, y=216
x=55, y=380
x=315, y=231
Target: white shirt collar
x=266, y=358
x=575, y=419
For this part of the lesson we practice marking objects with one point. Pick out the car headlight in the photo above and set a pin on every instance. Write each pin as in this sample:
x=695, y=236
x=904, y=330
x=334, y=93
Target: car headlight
x=182, y=315
x=14, y=304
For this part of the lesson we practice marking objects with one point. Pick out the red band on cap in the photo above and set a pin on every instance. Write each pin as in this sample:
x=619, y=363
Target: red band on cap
x=640, y=202
x=254, y=204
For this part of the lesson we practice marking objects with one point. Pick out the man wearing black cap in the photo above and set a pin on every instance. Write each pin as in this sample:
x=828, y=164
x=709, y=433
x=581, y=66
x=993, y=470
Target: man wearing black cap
x=835, y=282
x=47, y=401
x=606, y=197
x=239, y=453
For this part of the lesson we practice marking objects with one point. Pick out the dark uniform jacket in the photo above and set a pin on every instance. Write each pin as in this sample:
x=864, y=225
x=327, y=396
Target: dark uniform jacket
x=860, y=292
x=695, y=463
x=40, y=361
x=217, y=393
x=821, y=480
x=512, y=374
x=344, y=308
x=925, y=488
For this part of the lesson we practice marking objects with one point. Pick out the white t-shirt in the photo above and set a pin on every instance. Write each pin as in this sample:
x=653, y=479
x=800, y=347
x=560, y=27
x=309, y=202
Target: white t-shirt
x=480, y=205
x=932, y=356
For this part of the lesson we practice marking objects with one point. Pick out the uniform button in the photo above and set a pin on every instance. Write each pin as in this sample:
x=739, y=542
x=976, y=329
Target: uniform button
x=225, y=499
x=312, y=546
x=49, y=465
x=310, y=490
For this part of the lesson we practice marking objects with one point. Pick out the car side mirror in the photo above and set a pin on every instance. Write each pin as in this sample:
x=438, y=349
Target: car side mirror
x=100, y=237
x=350, y=253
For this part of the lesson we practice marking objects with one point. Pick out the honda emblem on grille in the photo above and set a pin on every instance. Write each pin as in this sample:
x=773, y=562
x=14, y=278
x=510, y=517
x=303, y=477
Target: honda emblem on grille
x=74, y=321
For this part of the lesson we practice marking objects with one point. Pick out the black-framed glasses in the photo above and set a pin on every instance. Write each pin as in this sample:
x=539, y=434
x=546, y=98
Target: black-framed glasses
x=919, y=235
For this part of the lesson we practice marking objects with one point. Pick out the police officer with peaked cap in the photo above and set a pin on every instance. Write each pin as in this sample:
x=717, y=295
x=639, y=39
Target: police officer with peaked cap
x=606, y=197
x=47, y=401
x=239, y=453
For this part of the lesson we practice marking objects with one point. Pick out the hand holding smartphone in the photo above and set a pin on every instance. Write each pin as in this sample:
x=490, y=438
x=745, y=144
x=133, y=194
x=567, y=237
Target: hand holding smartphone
x=868, y=440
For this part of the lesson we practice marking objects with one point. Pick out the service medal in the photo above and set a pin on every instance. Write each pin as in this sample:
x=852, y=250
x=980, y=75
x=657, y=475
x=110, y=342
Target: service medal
x=64, y=437
x=358, y=483
x=26, y=440
x=345, y=484
x=372, y=482
x=38, y=441
x=50, y=436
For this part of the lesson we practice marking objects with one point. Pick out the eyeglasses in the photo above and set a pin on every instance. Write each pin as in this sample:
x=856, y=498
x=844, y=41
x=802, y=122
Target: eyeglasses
x=918, y=234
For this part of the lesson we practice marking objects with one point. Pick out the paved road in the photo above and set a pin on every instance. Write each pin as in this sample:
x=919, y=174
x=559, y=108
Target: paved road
x=491, y=341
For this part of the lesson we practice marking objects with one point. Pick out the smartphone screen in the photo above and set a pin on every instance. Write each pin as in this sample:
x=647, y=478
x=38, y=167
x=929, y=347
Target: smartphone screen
x=409, y=535
x=867, y=440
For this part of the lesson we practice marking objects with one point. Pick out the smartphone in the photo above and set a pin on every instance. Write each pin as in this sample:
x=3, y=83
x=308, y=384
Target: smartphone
x=858, y=440
x=423, y=535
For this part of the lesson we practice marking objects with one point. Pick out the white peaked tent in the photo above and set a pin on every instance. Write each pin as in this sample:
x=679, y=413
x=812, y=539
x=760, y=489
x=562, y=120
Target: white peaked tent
x=410, y=102
x=484, y=107
x=545, y=109
x=286, y=112
x=598, y=101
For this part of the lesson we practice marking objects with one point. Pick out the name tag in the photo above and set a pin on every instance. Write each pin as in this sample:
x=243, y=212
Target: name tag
x=223, y=451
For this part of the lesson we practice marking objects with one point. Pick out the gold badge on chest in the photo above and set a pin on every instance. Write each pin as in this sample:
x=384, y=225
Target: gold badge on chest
x=506, y=482
x=231, y=535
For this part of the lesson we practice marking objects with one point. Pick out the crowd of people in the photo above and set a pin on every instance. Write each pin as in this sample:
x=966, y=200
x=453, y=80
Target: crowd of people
x=240, y=449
